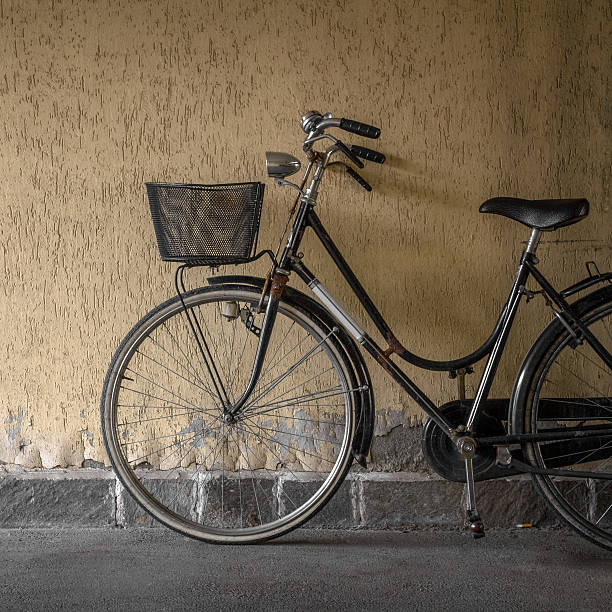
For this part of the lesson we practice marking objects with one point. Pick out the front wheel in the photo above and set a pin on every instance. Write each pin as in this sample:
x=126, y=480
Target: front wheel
x=240, y=480
x=567, y=385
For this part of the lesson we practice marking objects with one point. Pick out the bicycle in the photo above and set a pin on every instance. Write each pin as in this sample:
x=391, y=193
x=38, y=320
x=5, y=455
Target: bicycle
x=233, y=412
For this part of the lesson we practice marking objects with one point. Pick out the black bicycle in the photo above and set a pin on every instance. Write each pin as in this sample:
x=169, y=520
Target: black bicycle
x=232, y=412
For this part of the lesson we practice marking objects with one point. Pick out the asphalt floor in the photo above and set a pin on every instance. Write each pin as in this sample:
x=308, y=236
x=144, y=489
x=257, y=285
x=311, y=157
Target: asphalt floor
x=156, y=569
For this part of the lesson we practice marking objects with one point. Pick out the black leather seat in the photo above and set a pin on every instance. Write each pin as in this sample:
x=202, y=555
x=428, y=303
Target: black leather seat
x=546, y=215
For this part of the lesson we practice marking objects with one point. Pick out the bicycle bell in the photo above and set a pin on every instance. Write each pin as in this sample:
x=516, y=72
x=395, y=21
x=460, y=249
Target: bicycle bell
x=311, y=120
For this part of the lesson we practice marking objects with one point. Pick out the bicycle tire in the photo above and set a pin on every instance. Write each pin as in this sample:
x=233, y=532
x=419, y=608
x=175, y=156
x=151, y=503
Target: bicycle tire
x=192, y=484
x=556, y=373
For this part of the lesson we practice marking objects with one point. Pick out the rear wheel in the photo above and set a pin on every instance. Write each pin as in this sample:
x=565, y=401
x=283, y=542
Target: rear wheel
x=571, y=387
x=249, y=479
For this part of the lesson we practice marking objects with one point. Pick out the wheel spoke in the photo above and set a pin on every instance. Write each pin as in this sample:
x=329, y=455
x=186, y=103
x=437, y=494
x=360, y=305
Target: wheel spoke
x=313, y=351
x=582, y=390
x=604, y=514
x=176, y=343
x=161, y=387
x=262, y=437
x=205, y=389
x=124, y=444
x=211, y=340
x=253, y=481
x=274, y=400
x=192, y=477
x=220, y=441
x=260, y=426
x=168, y=416
x=298, y=402
x=153, y=452
x=161, y=399
x=289, y=470
x=599, y=393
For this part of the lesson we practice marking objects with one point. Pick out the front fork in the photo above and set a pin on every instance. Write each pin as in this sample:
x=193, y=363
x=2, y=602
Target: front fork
x=277, y=285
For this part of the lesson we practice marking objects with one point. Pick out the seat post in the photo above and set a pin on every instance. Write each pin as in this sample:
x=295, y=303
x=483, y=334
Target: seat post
x=534, y=240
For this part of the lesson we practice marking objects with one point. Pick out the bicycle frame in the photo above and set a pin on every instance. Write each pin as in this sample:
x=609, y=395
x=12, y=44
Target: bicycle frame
x=493, y=347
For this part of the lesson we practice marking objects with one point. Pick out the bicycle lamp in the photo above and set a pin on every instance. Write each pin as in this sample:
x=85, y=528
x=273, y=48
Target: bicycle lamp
x=281, y=165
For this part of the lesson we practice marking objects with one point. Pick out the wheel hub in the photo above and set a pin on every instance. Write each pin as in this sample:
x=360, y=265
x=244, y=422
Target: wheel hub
x=229, y=418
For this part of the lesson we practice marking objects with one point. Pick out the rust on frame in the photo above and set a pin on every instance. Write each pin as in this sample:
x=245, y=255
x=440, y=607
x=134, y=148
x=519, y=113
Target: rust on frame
x=383, y=360
x=395, y=346
x=278, y=284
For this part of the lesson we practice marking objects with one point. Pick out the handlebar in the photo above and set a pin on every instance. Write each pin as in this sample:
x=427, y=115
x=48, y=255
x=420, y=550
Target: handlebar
x=313, y=122
x=314, y=125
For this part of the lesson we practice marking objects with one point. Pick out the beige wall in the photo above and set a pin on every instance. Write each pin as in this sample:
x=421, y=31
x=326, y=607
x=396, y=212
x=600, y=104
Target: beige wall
x=475, y=99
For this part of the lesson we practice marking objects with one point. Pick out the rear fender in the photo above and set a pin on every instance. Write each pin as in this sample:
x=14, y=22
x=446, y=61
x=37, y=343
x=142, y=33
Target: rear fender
x=522, y=384
x=585, y=283
x=365, y=399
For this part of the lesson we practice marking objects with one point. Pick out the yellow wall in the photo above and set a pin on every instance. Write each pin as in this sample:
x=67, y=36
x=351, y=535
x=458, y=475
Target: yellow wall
x=475, y=99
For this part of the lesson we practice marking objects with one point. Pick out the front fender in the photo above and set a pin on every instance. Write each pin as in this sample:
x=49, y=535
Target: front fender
x=365, y=399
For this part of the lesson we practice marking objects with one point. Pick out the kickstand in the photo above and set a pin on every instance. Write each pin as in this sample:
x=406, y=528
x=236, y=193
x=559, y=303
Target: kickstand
x=467, y=447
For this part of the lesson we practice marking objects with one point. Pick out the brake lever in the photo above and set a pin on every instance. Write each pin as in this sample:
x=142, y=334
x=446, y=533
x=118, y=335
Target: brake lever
x=307, y=148
x=349, y=153
x=352, y=174
x=358, y=178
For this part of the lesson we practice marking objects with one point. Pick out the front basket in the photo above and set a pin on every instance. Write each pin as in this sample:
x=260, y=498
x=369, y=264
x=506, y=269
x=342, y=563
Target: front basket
x=206, y=224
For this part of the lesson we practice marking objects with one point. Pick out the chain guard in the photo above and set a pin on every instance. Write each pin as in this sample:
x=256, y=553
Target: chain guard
x=444, y=457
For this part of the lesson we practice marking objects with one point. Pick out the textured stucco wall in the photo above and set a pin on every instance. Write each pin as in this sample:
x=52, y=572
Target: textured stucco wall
x=475, y=99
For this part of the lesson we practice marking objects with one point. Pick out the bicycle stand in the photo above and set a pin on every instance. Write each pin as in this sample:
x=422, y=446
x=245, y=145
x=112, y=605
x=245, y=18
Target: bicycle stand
x=467, y=446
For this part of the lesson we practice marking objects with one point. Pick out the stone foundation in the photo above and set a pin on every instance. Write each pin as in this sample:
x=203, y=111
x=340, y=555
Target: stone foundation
x=368, y=500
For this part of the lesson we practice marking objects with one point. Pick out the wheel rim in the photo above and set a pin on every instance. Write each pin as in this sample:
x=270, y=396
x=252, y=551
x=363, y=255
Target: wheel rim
x=570, y=373
x=254, y=478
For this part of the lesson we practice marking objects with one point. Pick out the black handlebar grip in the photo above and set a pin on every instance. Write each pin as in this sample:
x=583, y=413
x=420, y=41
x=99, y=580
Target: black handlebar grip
x=363, y=129
x=369, y=154
x=359, y=179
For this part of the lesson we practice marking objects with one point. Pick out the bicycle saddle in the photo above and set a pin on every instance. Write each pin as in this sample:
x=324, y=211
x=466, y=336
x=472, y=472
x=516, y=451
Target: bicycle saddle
x=544, y=215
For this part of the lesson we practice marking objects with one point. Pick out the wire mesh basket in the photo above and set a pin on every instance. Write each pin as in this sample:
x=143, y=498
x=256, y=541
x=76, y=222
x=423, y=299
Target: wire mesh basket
x=206, y=224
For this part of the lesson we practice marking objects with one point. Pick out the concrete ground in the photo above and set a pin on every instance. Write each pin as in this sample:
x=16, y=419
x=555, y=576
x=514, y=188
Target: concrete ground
x=156, y=569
